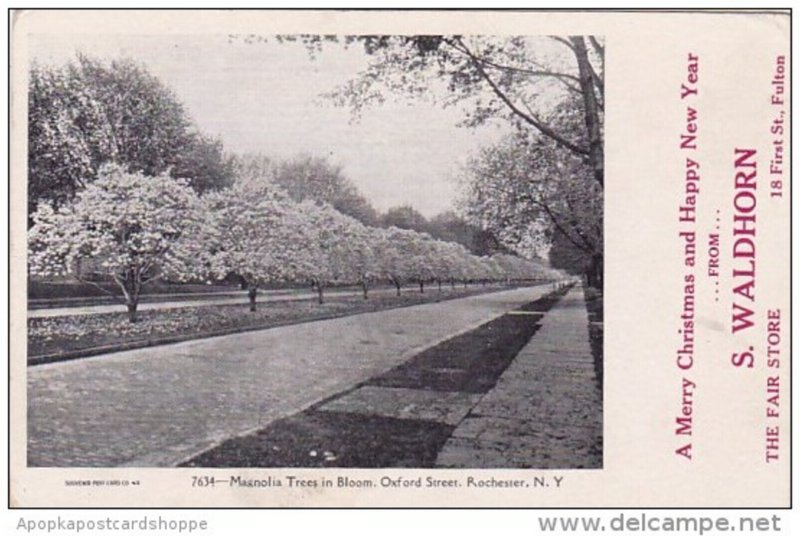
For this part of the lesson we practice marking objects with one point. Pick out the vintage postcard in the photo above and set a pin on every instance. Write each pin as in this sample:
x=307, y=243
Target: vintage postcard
x=276, y=258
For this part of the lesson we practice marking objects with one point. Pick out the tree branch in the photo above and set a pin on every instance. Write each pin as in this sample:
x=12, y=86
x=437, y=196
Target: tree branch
x=154, y=278
x=557, y=224
x=598, y=81
x=563, y=42
x=541, y=127
x=98, y=286
x=121, y=284
x=600, y=49
x=561, y=77
x=590, y=108
x=576, y=225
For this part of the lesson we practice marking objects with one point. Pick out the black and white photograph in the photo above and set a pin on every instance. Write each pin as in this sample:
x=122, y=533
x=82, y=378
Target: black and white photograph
x=315, y=251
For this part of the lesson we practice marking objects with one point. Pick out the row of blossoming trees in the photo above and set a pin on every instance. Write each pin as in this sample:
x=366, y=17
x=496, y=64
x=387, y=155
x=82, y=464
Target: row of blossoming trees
x=134, y=229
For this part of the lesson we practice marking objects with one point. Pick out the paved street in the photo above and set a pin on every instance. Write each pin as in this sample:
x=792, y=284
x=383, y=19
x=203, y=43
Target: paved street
x=157, y=406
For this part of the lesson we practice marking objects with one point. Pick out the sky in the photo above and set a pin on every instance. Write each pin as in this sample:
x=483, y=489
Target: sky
x=266, y=97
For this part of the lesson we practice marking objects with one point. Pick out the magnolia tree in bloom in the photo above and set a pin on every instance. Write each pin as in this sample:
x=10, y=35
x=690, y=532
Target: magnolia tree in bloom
x=422, y=262
x=508, y=266
x=459, y=270
x=362, y=255
x=349, y=251
x=450, y=262
x=392, y=261
x=472, y=269
x=442, y=262
x=351, y=255
x=513, y=268
x=336, y=247
x=134, y=228
x=490, y=270
x=255, y=231
x=447, y=262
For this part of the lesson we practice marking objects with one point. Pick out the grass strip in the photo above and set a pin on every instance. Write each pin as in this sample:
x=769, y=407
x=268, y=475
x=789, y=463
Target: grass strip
x=71, y=337
x=331, y=439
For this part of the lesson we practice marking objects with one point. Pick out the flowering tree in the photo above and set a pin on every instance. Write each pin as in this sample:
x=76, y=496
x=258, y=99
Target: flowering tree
x=512, y=267
x=345, y=245
x=65, y=128
x=403, y=255
x=458, y=263
x=440, y=262
x=89, y=112
x=391, y=259
x=534, y=197
x=133, y=229
x=490, y=271
x=333, y=244
x=421, y=259
x=256, y=232
x=461, y=268
x=362, y=255
x=445, y=262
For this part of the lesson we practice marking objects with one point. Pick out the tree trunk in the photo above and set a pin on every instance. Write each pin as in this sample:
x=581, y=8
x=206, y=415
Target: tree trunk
x=453, y=284
x=132, y=318
x=252, y=292
x=594, y=274
x=591, y=112
x=439, y=282
x=320, y=297
x=364, y=288
x=397, y=284
x=421, y=286
x=131, y=288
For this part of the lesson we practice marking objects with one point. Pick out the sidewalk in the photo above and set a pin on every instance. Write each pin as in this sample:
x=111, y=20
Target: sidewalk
x=546, y=409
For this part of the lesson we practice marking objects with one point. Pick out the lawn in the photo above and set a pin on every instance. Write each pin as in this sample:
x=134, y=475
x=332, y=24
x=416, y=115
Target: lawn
x=71, y=336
